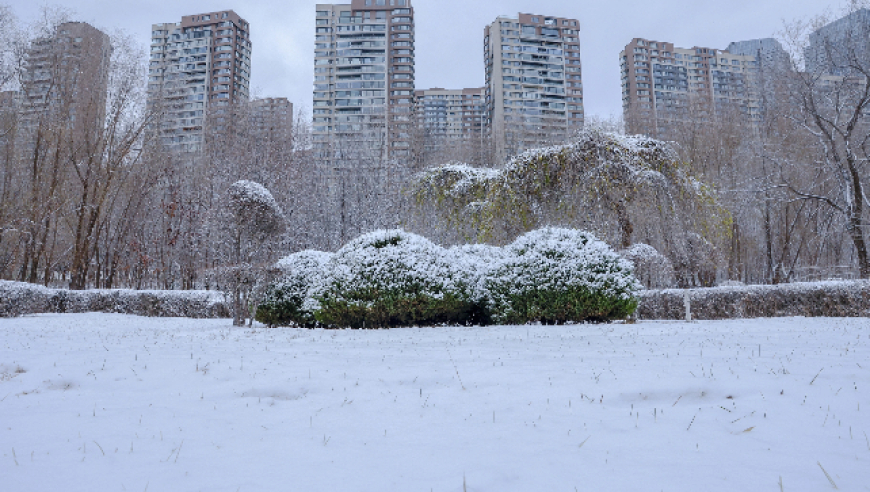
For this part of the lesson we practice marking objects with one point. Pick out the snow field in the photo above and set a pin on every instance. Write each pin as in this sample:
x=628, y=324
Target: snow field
x=117, y=402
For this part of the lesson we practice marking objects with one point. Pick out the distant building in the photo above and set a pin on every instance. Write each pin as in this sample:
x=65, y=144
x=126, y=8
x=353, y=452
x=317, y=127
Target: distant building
x=272, y=118
x=448, y=117
x=65, y=81
x=534, y=92
x=364, y=78
x=199, y=68
x=9, y=107
x=832, y=46
x=664, y=85
x=768, y=52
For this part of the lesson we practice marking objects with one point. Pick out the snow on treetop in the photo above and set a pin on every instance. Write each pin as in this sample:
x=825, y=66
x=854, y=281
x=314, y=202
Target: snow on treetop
x=640, y=250
x=245, y=191
x=592, y=156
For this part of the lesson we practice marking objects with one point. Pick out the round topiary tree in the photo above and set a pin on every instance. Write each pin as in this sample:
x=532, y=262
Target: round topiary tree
x=251, y=219
x=555, y=275
x=391, y=278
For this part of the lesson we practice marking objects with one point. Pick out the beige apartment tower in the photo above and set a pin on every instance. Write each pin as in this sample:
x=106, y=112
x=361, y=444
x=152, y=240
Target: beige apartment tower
x=450, y=124
x=364, y=80
x=198, y=69
x=665, y=87
x=534, y=90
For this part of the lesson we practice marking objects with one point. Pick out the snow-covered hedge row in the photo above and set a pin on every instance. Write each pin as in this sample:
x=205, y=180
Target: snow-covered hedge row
x=395, y=278
x=811, y=299
x=18, y=299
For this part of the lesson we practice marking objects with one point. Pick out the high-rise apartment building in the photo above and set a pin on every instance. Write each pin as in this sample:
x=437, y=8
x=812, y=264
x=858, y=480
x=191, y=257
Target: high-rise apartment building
x=66, y=79
x=446, y=118
x=534, y=92
x=664, y=86
x=272, y=118
x=833, y=45
x=364, y=79
x=199, y=68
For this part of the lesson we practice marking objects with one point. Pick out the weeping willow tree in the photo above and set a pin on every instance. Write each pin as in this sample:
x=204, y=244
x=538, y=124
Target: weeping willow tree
x=627, y=190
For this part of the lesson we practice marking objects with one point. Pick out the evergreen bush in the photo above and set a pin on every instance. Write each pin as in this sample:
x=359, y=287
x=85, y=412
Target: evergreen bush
x=291, y=301
x=392, y=278
x=554, y=276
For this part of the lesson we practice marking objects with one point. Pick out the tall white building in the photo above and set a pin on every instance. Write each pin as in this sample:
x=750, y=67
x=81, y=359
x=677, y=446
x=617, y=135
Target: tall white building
x=198, y=69
x=364, y=79
x=534, y=90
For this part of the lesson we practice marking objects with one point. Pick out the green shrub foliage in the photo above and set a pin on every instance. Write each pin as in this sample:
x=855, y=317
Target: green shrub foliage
x=395, y=278
x=392, y=278
x=292, y=300
x=556, y=275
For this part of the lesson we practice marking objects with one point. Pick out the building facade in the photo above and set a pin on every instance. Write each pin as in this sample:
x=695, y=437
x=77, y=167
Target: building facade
x=65, y=81
x=447, y=119
x=534, y=90
x=665, y=87
x=364, y=79
x=272, y=118
x=198, y=69
x=832, y=46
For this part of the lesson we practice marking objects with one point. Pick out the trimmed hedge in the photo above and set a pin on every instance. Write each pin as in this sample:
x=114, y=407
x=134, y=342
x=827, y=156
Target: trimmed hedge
x=811, y=299
x=17, y=299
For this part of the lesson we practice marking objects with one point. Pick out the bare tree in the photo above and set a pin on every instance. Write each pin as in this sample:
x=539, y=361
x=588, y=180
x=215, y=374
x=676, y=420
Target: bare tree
x=830, y=102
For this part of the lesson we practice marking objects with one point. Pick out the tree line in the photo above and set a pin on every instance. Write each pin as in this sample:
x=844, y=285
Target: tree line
x=108, y=205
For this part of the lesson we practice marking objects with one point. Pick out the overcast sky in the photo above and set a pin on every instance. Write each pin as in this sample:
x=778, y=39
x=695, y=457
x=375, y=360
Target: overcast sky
x=450, y=34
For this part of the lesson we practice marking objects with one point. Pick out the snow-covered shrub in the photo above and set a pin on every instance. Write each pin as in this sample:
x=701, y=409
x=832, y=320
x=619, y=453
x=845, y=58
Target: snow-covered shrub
x=556, y=275
x=471, y=265
x=292, y=300
x=848, y=298
x=651, y=268
x=17, y=299
x=392, y=278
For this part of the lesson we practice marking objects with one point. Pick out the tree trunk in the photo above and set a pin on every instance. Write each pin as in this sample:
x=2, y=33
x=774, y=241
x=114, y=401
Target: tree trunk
x=857, y=235
x=237, y=280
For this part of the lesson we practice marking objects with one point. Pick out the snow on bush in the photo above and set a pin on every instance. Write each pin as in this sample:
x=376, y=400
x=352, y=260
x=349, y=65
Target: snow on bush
x=651, y=268
x=395, y=278
x=391, y=278
x=555, y=275
x=17, y=299
x=293, y=299
x=810, y=299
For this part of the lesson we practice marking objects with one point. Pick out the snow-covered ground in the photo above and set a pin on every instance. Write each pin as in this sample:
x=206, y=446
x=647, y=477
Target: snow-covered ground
x=115, y=402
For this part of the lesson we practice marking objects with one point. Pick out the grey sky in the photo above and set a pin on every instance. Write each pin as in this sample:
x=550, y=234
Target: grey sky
x=450, y=52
